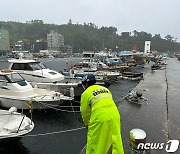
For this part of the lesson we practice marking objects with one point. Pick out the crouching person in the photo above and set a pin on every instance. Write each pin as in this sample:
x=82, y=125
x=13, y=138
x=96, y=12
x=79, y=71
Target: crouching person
x=101, y=117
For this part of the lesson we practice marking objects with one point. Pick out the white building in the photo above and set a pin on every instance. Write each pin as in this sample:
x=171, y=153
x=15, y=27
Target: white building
x=55, y=41
x=147, y=47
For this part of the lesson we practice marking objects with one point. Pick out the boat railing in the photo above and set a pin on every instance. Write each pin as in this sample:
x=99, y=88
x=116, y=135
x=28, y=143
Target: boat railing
x=20, y=123
x=55, y=96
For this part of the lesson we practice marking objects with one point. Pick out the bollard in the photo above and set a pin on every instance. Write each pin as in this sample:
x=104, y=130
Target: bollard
x=137, y=136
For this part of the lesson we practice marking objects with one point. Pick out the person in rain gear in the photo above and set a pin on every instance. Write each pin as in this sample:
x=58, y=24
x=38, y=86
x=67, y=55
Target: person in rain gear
x=101, y=117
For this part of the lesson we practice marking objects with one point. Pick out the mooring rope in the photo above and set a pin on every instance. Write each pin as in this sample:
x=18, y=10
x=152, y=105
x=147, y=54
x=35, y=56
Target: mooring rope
x=72, y=111
x=57, y=132
x=57, y=109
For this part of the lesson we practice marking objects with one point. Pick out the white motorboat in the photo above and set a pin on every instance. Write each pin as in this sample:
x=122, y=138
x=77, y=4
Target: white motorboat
x=34, y=71
x=38, y=74
x=16, y=91
x=14, y=125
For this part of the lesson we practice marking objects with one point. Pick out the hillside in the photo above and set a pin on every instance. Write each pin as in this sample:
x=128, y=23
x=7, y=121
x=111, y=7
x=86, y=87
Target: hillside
x=89, y=36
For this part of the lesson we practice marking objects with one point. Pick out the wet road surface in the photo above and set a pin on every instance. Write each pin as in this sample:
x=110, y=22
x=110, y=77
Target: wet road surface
x=160, y=117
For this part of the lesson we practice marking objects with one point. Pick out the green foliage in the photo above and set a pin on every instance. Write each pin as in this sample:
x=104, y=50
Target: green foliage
x=89, y=36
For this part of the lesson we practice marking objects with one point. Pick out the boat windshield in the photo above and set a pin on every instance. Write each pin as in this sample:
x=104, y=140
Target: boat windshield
x=42, y=66
x=14, y=77
x=2, y=78
x=37, y=66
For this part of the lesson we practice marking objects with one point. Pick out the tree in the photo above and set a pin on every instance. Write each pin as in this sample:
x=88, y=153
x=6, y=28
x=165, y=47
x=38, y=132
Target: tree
x=125, y=35
x=157, y=36
x=169, y=37
x=89, y=37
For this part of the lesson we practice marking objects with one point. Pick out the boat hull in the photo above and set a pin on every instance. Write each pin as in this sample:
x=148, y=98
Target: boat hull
x=36, y=103
x=131, y=76
x=15, y=136
x=14, y=125
x=63, y=88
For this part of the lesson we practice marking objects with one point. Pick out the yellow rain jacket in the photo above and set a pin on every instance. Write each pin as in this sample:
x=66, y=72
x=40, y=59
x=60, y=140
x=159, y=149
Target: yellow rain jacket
x=101, y=115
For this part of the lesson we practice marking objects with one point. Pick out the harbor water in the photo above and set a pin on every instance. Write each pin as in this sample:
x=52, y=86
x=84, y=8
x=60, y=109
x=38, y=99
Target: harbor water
x=61, y=132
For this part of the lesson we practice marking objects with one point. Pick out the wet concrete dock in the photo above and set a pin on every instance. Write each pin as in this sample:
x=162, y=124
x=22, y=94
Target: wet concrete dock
x=160, y=117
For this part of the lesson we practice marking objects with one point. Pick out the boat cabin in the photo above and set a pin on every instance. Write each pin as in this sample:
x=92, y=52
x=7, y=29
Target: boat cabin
x=29, y=65
x=9, y=76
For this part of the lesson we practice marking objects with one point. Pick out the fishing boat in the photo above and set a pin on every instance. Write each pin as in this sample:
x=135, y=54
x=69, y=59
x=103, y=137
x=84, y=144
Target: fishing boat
x=14, y=125
x=131, y=75
x=16, y=91
x=96, y=68
x=39, y=75
x=105, y=61
x=85, y=66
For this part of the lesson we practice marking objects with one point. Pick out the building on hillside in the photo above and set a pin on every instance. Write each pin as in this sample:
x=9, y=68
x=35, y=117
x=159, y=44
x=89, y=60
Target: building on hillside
x=23, y=45
x=55, y=41
x=27, y=46
x=40, y=45
x=68, y=49
x=18, y=46
x=4, y=41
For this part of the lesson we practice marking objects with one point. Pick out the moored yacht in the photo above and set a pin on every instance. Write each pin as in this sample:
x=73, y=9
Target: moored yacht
x=38, y=74
x=34, y=71
x=16, y=91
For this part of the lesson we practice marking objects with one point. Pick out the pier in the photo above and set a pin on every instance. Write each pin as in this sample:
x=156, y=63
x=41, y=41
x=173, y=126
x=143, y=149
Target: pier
x=160, y=117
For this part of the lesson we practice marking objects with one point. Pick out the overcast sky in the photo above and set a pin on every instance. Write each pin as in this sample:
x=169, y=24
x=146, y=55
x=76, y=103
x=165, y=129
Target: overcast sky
x=152, y=16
